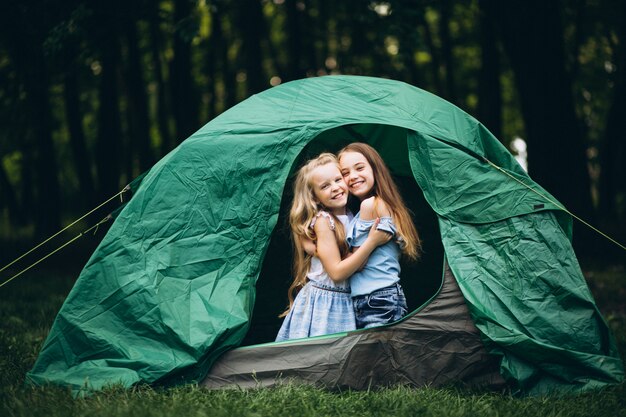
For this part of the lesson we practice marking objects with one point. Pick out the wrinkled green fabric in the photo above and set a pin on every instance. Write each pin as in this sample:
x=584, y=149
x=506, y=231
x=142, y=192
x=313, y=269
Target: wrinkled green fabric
x=172, y=284
x=461, y=186
x=525, y=291
x=516, y=268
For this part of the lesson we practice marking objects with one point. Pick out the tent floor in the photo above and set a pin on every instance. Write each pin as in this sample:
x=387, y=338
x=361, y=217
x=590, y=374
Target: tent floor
x=435, y=345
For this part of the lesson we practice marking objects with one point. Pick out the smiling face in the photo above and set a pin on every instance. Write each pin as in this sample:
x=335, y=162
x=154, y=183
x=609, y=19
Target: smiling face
x=357, y=173
x=329, y=188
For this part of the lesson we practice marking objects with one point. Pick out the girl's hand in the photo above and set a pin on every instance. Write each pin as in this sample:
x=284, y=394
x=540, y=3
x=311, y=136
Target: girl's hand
x=378, y=237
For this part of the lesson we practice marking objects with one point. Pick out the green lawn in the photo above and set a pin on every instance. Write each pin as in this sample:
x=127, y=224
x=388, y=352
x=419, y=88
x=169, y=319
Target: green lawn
x=29, y=305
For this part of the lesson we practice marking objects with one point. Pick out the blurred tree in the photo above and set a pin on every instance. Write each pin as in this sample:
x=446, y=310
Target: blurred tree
x=139, y=137
x=162, y=107
x=312, y=60
x=532, y=35
x=322, y=34
x=405, y=18
x=184, y=92
x=252, y=28
x=445, y=10
x=63, y=49
x=12, y=135
x=23, y=29
x=219, y=43
x=612, y=188
x=489, y=91
x=97, y=81
x=9, y=197
x=212, y=58
x=294, y=12
x=71, y=94
x=435, y=61
x=109, y=137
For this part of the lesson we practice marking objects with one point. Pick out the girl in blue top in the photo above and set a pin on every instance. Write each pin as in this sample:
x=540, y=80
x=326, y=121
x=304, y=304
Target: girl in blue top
x=318, y=217
x=376, y=293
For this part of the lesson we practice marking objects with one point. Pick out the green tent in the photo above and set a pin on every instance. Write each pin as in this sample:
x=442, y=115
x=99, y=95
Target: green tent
x=170, y=290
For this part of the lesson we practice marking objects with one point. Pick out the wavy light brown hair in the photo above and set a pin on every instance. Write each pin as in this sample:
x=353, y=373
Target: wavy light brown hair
x=304, y=208
x=386, y=189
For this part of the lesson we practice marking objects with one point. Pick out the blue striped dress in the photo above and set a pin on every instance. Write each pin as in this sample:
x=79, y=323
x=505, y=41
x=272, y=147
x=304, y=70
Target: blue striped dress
x=322, y=306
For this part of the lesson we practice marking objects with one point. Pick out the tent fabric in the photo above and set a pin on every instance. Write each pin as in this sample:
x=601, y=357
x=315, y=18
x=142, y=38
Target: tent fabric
x=436, y=346
x=171, y=287
x=461, y=187
x=544, y=324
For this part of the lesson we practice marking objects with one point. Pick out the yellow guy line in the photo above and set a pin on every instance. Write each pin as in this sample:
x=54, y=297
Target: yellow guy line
x=55, y=251
x=556, y=204
x=61, y=231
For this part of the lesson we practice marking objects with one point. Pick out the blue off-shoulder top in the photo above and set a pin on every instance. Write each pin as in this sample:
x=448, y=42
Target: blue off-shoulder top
x=383, y=265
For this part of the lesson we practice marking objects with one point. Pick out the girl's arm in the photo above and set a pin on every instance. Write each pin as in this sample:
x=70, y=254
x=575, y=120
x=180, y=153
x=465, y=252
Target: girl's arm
x=309, y=246
x=328, y=251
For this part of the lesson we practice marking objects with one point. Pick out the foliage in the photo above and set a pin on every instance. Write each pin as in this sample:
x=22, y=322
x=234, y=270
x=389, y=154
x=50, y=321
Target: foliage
x=141, y=76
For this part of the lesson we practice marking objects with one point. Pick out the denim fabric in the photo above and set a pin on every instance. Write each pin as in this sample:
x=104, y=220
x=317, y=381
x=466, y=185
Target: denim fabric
x=383, y=306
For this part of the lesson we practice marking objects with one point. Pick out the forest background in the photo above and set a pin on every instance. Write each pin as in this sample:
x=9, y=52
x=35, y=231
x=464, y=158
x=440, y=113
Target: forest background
x=93, y=93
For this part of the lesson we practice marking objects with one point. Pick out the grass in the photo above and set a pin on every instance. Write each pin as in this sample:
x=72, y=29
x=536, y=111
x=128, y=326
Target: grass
x=29, y=305
x=308, y=401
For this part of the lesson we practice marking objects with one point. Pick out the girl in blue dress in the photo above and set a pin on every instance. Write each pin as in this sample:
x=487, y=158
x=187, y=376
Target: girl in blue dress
x=318, y=216
x=377, y=295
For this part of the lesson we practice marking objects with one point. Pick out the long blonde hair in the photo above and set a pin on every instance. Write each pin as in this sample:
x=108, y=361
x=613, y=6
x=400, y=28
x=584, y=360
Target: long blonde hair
x=303, y=209
x=385, y=188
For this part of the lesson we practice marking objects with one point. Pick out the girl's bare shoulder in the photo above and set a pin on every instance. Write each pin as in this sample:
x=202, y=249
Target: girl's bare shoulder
x=373, y=207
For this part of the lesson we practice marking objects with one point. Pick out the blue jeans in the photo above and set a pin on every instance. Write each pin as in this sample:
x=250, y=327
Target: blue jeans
x=380, y=307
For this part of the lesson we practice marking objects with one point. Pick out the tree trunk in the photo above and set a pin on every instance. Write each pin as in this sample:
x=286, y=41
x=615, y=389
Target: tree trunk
x=613, y=157
x=162, y=113
x=323, y=31
x=82, y=161
x=533, y=39
x=613, y=149
x=251, y=18
x=408, y=19
x=23, y=31
x=185, y=104
x=9, y=198
x=294, y=41
x=27, y=192
x=274, y=57
x=47, y=220
x=579, y=24
x=228, y=75
x=211, y=67
x=308, y=41
x=446, y=49
x=434, y=55
x=109, y=143
x=138, y=103
x=489, y=90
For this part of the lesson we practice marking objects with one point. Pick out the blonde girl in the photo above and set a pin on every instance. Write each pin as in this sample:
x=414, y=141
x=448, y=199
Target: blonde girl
x=318, y=214
x=377, y=295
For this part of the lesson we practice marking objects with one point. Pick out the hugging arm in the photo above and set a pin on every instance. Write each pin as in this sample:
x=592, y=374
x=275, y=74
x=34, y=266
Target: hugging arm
x=328, y=251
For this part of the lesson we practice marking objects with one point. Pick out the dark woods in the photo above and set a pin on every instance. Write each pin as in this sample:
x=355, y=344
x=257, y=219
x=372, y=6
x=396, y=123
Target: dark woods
x=93, y=93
